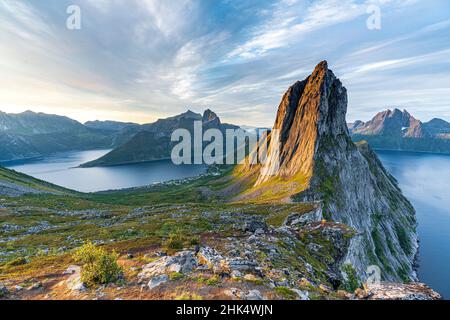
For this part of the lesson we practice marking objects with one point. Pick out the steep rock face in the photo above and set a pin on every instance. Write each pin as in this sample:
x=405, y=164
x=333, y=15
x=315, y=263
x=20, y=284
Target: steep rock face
x=316, y=150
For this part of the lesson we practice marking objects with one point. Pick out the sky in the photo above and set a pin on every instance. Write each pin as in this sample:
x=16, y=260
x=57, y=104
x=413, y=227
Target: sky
x=141, y=60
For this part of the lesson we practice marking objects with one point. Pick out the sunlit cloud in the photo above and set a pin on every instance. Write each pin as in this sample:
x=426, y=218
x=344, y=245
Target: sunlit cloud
x=139, y=60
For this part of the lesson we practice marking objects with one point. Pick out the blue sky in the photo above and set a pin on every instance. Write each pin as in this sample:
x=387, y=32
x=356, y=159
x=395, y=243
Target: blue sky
x=140, y=60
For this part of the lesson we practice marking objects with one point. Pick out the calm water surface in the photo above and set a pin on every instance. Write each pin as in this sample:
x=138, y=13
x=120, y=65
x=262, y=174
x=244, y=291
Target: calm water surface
x=62, y=170
x=425, y=180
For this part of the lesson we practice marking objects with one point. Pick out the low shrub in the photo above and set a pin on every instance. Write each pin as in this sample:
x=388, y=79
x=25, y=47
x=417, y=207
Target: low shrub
x=98, y=265
x=175, y=241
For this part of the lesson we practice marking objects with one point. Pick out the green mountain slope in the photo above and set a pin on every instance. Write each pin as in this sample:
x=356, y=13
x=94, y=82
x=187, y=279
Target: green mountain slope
x=14, y=183
x=29, y=134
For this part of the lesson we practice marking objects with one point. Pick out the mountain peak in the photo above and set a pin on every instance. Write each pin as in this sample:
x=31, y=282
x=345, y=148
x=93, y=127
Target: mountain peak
x=310, y=110
x=395, y=123
x=311, y=158
x=209, y=115
x=321, y=67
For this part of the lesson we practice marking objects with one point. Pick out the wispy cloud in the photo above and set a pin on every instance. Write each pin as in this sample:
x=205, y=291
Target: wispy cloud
x=138, y=60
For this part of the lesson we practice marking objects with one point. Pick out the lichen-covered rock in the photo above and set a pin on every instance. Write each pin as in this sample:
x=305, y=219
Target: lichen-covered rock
x=213, y=259
x=74, y=282
x=396, y=291
x=254, y=295
x=182, y=262
x=297, y=219
x=254, y=225
x=157, y=281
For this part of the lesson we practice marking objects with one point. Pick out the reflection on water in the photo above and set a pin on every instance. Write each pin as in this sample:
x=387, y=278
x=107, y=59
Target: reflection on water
x=62, y=170
x=425, y=180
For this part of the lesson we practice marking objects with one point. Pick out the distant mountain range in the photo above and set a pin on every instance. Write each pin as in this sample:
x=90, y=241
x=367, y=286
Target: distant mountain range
x=29, y=134
x=153, y=141
x=399, y=130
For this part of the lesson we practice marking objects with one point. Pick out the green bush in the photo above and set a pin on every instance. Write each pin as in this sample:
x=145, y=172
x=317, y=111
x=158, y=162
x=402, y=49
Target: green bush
x=175, y=241
x=176, y=276
x=351, y=282
x=98, y=265
x=194, y=241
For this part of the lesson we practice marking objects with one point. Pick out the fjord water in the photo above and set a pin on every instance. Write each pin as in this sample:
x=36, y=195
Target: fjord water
x=425, y=180
x=62, y=169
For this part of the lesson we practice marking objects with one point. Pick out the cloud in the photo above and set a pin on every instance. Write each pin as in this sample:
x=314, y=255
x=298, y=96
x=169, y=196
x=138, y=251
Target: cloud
x=282, y=29
x=137, y=60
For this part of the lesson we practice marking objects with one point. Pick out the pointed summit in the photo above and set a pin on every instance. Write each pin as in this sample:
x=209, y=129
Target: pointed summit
x=311, y=110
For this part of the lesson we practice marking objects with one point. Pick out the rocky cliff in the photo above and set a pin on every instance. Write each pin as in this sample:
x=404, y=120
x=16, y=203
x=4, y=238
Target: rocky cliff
x=318, y=162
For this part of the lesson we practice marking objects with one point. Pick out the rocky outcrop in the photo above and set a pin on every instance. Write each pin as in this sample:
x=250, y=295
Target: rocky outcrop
x=319, y=162
x=395, y=291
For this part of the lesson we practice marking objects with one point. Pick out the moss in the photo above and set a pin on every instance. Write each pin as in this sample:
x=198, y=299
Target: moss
x=351, y=281
x=213, y=281
x=174, y=276
x=278, y=218
x=403, y=239
x=286, y=293
x=188, y=296
x=17, y=262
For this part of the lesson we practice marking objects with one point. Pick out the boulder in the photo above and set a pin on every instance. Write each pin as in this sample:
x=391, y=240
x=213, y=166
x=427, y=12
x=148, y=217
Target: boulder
x=397, y=291
x=74, y=282
x=182, y=262
x=157, y=281
x=254, y=295
x=213, y=259
x=297, y=219
x=302, y=295
x=254, y=225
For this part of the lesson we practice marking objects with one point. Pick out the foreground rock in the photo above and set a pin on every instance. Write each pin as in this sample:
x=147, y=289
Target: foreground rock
x=156, y=273
x=395, y=291
x=74, y=282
